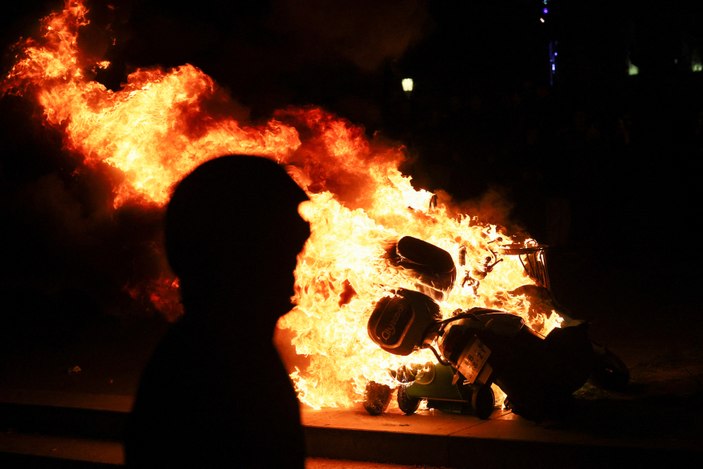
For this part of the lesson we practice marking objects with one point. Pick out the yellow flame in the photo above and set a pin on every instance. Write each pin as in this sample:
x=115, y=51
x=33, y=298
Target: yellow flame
x=158, y=127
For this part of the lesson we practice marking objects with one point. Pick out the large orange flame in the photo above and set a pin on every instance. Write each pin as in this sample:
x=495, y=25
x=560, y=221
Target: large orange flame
x=162, y=123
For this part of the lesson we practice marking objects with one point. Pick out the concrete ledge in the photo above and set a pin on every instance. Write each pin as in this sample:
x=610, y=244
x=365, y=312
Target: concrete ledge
x=49, y=429
x=92, y=416
x=504, y=440
x=77, y=400
x=35, y=451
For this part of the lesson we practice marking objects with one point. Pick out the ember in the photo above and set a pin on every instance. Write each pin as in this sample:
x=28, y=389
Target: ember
x=157, y=127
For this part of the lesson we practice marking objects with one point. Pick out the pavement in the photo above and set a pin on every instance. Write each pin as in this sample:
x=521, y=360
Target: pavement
x=65, y=390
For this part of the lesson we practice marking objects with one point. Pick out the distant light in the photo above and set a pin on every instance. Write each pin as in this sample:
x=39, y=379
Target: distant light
x=632, y=69
x=408, y=85
x=545, y=10
x=696, y=64
x=552, y=47
x=541, y=20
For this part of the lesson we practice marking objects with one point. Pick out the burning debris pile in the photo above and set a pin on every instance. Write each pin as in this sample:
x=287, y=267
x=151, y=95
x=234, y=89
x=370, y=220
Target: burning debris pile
x=369, y=223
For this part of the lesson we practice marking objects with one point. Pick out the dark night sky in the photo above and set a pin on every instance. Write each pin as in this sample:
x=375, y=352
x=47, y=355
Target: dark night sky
x=622, y=153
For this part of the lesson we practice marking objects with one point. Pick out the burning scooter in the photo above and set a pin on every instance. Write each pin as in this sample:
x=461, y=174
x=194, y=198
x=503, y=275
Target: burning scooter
x=478, y=347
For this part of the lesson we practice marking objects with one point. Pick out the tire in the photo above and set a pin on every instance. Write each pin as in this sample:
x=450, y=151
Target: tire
x=406, y=403
x=483, y=402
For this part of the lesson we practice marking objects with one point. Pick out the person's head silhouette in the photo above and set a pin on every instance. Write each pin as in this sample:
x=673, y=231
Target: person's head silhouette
x=232, y=236
x=233, y=233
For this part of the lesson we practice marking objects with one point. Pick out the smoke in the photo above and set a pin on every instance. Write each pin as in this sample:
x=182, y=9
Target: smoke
x=271, y=54
x=367, y=33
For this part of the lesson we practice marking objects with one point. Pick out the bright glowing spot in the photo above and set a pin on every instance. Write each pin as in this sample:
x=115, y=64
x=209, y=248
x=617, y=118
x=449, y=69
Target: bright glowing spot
x=696, y=64
x=408, y=84
x=632, y=69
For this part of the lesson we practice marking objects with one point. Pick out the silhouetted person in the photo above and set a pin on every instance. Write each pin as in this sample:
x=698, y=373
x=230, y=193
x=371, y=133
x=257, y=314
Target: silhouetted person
x=215, y=392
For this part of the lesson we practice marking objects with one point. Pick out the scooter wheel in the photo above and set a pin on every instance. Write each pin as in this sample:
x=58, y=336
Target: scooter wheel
x=406, y=403
x=483, y=401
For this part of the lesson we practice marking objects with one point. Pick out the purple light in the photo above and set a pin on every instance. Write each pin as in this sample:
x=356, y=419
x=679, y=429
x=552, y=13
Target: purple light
x=545, y=10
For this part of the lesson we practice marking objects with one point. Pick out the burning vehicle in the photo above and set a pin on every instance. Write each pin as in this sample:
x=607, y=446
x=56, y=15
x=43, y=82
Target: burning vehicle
x=478, y=347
